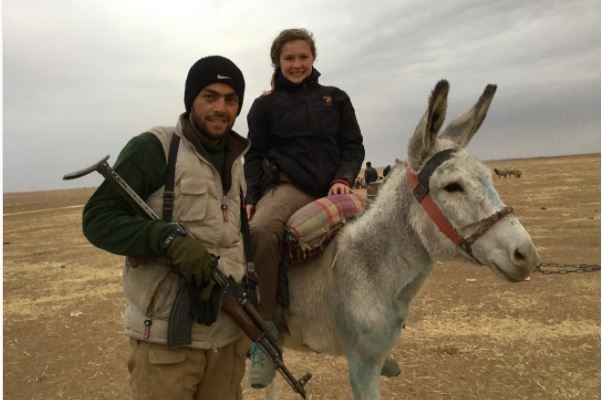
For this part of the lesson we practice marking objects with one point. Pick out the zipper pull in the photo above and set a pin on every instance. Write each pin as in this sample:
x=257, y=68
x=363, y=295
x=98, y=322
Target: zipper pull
x=147, y=326
x=224, y=208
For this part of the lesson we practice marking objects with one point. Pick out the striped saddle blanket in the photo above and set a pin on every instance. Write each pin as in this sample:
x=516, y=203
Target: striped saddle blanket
x=313, y=226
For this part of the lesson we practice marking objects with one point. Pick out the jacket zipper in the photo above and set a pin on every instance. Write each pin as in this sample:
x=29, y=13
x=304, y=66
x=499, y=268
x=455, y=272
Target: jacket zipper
x=224, y=208
x=147, y=324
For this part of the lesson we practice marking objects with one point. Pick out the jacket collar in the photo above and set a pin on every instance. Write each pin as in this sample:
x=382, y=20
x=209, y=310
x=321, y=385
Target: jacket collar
x=236, y=147
x=310, y=81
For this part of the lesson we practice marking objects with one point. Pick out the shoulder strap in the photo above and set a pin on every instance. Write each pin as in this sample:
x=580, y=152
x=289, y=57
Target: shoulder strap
x=170, y=173
x=245, y=229
x=251, y=280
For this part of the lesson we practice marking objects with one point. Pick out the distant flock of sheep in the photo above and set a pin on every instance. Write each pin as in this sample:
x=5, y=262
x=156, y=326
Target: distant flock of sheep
x=360, y=183
x=507, y=172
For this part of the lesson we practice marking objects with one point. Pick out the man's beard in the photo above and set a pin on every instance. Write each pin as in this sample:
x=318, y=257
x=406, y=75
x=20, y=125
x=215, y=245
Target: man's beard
x=201, y=127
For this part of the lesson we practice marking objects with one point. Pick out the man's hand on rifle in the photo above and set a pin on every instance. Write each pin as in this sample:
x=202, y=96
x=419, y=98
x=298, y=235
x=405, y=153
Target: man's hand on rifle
x=191, y=259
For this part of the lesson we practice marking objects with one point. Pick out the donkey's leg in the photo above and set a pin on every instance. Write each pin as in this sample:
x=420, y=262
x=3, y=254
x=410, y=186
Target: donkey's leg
x=390, y=367
x=363, y=375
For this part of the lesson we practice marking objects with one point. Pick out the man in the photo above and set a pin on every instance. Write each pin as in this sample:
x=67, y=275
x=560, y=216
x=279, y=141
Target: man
x=370, y=174
x=207, y=180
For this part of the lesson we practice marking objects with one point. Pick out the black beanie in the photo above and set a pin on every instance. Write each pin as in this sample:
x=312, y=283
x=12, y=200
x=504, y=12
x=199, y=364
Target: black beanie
x=210, y=70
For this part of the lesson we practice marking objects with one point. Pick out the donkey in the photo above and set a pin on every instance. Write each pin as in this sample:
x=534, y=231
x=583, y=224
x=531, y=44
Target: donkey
x=352, y=300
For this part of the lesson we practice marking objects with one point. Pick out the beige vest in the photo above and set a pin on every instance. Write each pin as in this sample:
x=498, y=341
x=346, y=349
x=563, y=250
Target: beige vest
x=199, y=199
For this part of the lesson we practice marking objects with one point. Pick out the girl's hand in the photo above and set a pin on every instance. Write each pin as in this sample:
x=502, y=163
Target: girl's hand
x=339, y=188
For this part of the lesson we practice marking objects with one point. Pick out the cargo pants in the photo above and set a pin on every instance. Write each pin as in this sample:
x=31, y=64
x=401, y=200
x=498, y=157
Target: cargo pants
x=157, y=373
x=267, y=231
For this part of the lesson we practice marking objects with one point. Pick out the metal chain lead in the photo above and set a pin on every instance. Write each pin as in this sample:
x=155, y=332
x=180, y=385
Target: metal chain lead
x=555, y=268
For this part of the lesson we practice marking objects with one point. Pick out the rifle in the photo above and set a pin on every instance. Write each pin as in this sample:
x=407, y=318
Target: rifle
x=235, y=301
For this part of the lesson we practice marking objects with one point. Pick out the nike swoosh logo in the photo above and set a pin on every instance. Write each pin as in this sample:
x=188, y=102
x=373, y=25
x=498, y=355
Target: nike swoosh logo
x=223, y=77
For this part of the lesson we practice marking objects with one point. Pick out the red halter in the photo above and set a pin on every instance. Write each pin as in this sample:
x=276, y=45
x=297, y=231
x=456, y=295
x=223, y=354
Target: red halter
x=419, y=185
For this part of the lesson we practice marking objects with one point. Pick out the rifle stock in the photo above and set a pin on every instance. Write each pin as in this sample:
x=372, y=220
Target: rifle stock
x=235, y=301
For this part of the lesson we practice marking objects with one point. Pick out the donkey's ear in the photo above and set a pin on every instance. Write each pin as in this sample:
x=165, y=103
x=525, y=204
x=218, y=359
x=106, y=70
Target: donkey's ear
x=426, y=132
x=463, y=128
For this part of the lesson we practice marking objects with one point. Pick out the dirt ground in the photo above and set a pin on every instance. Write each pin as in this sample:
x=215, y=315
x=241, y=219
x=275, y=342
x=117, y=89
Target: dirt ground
x=469, y=335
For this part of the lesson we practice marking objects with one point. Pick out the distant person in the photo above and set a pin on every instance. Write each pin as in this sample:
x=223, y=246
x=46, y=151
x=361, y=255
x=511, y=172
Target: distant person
x=203, y=191
x=386, y=171
x=370, y=174
x=305, y=144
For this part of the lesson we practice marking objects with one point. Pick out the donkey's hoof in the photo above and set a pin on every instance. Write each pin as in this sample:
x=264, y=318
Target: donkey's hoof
x=390, y=368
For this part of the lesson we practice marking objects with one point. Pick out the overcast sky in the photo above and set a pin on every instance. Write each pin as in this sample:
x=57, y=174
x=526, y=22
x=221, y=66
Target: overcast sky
x=82, y=77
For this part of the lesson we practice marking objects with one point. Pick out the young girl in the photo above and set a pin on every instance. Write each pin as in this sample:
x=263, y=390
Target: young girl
x=305, y=144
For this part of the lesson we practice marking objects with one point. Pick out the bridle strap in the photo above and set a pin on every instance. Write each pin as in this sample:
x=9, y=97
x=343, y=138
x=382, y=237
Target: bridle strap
x=419, y=183
x=421, y=188
x=487, y=223
x=432, y=210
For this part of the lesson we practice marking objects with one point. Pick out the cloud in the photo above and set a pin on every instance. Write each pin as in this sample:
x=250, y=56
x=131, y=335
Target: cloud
x=81, y=78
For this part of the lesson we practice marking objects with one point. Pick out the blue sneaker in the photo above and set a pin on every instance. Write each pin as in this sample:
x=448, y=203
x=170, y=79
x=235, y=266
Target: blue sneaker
x=263, y=370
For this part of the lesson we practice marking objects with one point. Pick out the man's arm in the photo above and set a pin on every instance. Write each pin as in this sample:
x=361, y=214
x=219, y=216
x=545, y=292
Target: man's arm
x=109, y=222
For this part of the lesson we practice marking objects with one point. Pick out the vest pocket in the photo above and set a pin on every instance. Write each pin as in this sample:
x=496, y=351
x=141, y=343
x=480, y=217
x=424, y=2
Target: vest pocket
x=141, y=284
x=194, y=199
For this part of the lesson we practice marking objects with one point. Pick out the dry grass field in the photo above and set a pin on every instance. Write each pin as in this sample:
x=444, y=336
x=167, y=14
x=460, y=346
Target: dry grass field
x=469, y=336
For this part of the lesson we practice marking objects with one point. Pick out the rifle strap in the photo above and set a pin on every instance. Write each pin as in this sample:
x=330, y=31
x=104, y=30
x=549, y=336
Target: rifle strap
x=170, y=173
x=245, y=228
x=168, y=200
x=251, y=278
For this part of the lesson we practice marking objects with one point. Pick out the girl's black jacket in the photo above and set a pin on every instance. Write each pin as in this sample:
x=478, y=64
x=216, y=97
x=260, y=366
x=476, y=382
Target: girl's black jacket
x=308, y=131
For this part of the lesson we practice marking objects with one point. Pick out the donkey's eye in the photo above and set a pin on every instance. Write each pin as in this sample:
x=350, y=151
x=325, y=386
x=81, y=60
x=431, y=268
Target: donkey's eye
x=453, y=187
